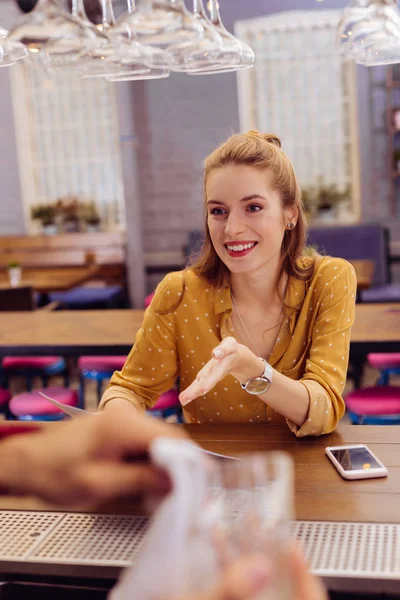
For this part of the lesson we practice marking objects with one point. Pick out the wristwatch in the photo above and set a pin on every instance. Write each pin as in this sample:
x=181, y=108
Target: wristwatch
x=259, y=385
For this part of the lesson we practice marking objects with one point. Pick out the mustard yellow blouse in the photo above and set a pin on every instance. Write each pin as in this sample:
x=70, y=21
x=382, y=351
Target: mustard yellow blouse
x=188, y=318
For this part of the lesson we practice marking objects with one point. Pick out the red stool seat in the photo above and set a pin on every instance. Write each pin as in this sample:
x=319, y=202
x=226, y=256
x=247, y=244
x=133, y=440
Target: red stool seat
x=32, y=403
x=384, y=360
x=379, y=400
x=167, y=400
x=101, y=363
x=4, y=396
x=29, y=362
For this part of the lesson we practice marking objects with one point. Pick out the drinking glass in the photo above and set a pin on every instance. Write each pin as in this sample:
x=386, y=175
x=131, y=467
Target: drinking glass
x=10, y=51
x=236, y=54
x=252, y=505
x=382, y=45
x=365, y=22
x=123, y=58
x=207, y=52
x=51, y=36
x=164, y=22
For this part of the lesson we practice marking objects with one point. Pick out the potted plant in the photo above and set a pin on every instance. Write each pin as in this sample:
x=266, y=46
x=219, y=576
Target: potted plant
x=14, y=273
x=324, y=200
x=46, y=214
x=91, y=216
x=68, y=207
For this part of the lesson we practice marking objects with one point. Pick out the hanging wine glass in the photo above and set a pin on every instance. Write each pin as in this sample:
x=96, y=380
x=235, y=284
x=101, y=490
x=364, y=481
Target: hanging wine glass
x=134, y=53
x=106, y=59
x=164, y=22
x=96, y=38
x=356, y=13
x=199, y=53
x=48, y=26
x=236, y=54
x=10, y=52
x=381, y=45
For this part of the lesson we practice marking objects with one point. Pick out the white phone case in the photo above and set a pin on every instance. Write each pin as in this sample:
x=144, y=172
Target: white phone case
x=380, y=471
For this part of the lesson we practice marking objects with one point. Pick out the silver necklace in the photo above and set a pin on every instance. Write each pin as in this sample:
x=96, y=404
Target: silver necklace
x=247, y=331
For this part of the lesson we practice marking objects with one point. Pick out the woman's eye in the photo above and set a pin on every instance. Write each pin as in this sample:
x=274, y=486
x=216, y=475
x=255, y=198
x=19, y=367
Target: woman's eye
x=254, y=208
x=217, y=211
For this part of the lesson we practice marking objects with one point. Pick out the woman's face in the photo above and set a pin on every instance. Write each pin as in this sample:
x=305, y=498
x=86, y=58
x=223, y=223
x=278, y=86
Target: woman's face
x=246, y=219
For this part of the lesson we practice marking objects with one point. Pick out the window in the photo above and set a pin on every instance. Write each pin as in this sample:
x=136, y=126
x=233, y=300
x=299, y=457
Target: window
x=301, y=90
x=68, y=145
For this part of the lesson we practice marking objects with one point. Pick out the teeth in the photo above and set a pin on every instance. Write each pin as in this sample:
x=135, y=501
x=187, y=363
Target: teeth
x=240, y=247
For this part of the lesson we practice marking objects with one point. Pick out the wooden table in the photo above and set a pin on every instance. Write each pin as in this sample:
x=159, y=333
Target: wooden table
x=320, y=492
x=52, y=279
x=376, y=328
x=364, y=272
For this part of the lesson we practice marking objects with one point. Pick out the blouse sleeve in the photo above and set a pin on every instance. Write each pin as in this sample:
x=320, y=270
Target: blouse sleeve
x=152, y=365
x=326, y=367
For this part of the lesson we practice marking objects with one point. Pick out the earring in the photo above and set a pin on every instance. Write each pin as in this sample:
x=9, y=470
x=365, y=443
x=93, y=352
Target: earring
x=290, y=226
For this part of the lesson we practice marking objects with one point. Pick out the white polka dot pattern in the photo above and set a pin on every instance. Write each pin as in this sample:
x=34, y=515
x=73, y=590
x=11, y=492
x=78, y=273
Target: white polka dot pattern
x=188, y=318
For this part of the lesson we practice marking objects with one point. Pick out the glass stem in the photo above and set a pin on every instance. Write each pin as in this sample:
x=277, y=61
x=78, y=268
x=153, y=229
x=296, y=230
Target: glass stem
x=78, y=10
x=215, y=17
x=198, y=8
x=131, y=6
x=107, y=18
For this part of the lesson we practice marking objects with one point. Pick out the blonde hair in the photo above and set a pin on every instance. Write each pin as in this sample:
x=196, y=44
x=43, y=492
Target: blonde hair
x=262, y=151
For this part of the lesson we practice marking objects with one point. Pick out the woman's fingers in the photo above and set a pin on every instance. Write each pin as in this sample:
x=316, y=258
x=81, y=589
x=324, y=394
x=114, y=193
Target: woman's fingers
x=206, y=379
x=227, y=346
x=216, y=369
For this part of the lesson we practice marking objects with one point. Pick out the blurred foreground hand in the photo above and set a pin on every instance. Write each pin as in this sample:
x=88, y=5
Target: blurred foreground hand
x=246, y=578
x=86, y=461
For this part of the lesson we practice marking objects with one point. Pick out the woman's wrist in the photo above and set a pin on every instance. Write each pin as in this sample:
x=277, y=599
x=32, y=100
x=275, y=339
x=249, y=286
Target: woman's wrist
x=250, y=366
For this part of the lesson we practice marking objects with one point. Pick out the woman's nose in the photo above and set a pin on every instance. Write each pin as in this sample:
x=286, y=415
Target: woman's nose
x=234, y=226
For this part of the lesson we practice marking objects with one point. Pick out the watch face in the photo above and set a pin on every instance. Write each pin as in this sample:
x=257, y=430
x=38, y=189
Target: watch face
x=258, y=385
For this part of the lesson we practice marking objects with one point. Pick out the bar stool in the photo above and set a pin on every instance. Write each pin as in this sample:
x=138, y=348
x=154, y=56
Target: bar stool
x=29, y=367
x=387, y=363
x=378, y=405
x=31, y=406
x=4, y=400
x=97, y=368
x=167, y=405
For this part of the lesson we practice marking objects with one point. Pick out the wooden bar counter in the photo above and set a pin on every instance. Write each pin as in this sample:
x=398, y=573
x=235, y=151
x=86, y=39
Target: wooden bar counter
x=321, y=494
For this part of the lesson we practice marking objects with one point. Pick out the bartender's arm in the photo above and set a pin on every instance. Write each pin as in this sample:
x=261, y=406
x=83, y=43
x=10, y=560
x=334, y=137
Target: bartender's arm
x=84, y=462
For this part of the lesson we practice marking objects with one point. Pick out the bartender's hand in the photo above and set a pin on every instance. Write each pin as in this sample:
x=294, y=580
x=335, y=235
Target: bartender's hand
x=246, y=578
x=228, y=358
x=83, y=462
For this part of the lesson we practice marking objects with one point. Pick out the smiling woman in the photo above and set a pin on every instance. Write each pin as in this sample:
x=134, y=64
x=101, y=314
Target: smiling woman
x=258, y=329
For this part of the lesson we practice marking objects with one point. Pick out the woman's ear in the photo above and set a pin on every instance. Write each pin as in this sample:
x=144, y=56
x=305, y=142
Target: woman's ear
x=291, y=214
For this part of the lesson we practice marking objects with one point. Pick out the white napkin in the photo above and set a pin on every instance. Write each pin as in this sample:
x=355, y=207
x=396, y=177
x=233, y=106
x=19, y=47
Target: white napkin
x=177, y=556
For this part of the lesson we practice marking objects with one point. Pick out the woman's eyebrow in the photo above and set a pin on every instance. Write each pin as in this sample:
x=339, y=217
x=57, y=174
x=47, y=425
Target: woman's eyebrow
x=245, y=199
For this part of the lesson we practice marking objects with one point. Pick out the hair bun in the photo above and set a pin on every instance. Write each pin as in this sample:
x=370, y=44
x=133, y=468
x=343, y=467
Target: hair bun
x=270, y=138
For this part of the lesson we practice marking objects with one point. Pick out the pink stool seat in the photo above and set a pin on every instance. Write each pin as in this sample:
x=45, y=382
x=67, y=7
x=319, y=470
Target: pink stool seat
x=32, y=403
x=384, y=360
x=148, y=299
x=101, y=363
x=29, y=362
x=167, y=400
x=379, y=400
x=4, y=396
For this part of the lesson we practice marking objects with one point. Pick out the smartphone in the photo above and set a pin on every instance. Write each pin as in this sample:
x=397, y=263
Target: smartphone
x=356, y=462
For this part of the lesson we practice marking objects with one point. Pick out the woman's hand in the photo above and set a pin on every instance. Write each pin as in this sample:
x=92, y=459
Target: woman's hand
x=228, y=358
